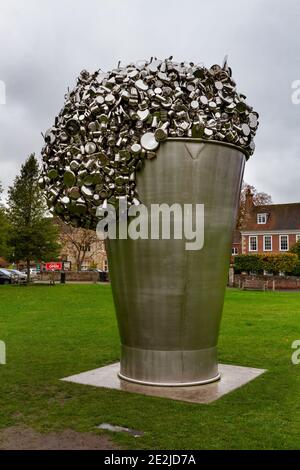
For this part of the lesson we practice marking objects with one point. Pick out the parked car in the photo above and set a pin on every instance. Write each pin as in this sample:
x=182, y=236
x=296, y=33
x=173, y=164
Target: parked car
x=7, y=277
x=21, y=277
x=33, y=272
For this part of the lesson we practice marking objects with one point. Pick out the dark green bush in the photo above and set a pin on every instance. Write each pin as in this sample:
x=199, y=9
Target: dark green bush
x=295, y=271
x=248, y=263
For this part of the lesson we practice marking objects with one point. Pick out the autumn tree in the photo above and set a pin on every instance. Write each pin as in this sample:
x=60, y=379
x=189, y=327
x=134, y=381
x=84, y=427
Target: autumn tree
x=259, y=199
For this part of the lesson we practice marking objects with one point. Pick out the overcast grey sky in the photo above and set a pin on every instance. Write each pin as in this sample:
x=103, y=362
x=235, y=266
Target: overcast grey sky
x=46, y=43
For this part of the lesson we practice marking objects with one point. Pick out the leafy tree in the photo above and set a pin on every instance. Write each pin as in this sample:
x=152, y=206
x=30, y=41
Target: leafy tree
x=259, y=199
x=296, y=250
x=4, y=228
x=32, y=235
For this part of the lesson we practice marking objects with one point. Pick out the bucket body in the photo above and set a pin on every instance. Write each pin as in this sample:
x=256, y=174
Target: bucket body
x=169, y=299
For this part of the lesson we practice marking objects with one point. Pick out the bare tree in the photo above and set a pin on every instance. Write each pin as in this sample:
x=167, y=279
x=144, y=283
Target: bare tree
x=80, y=243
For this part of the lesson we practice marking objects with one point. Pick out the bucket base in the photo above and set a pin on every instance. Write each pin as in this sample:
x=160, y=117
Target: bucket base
x=169, y=368
x=163, y=384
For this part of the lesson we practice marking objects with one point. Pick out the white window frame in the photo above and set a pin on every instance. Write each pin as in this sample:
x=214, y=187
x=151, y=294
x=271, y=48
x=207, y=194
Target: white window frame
x=268, y=249
x=256, y=237
x=234, y=251
x=260, y=216
x=297, y=237
x=280, y=238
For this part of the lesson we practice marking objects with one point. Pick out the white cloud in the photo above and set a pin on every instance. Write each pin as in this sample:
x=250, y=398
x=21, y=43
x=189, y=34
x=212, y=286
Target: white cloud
x=45, y=44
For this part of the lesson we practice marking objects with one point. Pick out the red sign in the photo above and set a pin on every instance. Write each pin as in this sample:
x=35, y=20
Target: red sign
x=53, y=266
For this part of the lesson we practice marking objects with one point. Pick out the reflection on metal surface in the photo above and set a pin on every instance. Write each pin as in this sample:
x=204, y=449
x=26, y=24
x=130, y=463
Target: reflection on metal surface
x=169, y=300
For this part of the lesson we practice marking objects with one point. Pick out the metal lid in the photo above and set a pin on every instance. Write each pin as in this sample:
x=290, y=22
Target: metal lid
x=149, y=142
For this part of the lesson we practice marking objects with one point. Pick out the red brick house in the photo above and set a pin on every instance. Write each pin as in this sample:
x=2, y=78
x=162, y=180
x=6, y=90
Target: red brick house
x=237, y=243
x=273, y=228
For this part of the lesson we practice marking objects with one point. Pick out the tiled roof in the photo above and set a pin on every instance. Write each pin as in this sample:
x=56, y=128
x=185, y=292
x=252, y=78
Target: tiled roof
x=237, y=236
x=279, y=217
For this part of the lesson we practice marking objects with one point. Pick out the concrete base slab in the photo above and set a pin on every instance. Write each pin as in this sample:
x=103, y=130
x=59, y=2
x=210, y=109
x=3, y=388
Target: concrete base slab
x=232, y=377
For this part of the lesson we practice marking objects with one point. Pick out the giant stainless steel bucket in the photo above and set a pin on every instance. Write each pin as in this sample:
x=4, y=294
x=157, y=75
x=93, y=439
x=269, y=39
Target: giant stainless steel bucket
x=169, y=300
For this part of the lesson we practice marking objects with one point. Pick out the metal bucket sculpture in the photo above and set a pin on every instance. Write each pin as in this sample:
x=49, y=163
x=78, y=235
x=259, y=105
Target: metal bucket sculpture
x=169, y=300
x=103, y=148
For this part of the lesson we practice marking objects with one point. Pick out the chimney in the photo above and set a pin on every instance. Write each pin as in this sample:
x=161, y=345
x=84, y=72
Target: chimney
x=249, y=201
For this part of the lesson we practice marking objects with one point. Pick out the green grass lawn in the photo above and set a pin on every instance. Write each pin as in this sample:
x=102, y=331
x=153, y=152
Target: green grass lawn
x=53, y=332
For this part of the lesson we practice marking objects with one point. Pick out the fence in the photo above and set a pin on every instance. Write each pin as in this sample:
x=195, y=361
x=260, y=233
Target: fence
x=83, y=276
x=271, y=282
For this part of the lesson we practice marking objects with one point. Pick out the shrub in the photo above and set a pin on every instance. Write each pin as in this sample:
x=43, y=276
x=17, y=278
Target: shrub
x=248, y=263
x=296, y=249
x=285, y=262
x=296, y=270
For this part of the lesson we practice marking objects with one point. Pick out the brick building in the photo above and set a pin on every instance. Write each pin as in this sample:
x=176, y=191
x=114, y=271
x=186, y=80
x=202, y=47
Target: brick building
x=273, y=228
x=237, y=243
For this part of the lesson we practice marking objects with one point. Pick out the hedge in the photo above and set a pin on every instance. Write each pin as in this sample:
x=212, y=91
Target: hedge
x=285, y=262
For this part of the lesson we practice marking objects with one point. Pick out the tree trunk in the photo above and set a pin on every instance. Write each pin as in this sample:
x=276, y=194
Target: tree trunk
x=78, y=262
x=28, y=270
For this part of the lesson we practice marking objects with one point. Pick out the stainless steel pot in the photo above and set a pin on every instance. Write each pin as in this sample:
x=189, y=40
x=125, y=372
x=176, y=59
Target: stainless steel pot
x=169, y=300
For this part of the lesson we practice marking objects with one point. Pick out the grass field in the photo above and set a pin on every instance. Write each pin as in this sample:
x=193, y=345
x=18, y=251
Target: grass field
x=53, y=332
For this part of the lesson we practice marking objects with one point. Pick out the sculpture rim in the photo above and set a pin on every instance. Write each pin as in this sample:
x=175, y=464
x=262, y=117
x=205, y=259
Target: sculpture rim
x=170, y=384
x=208, y=141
